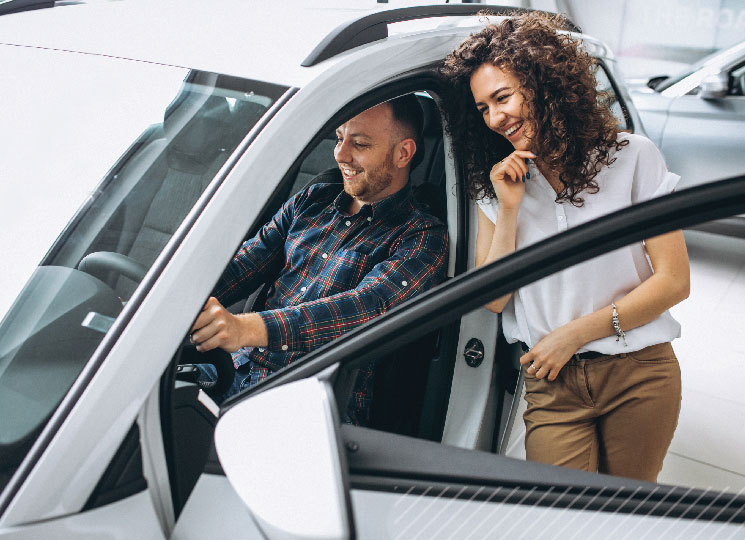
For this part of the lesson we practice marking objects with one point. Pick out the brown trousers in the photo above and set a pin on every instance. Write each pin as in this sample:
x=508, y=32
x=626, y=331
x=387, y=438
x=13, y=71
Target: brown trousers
x=613, y=414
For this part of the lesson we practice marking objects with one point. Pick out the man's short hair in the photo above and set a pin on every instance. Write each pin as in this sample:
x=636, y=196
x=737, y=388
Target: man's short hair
x=408, y=113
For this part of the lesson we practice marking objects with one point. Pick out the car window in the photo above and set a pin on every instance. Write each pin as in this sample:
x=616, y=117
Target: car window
x=710, y=59
x=737, y=81
x=610, y=96
x=705, y=66
x=96, y=181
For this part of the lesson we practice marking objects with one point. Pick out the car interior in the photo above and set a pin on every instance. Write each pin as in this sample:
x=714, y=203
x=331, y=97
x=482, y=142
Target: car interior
x=401, y=379
x=151, y=189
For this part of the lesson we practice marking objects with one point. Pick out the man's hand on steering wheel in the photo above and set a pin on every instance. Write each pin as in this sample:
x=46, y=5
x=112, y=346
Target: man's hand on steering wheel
x=217, y=327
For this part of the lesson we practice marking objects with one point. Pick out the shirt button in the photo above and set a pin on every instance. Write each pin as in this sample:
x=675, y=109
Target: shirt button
x=303, y=289
x=325, y=256
x=285, y=347
x=369, y=218
x=561, y=218
x=347, y=223
x=404, y=283
x=261, y=349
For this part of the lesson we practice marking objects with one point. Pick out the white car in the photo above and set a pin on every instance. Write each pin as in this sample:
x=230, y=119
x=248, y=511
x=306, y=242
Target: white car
x=697, y=117
x=141, y=143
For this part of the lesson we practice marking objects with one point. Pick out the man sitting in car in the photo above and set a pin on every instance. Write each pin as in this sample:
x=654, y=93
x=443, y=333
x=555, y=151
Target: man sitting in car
x=336, y=255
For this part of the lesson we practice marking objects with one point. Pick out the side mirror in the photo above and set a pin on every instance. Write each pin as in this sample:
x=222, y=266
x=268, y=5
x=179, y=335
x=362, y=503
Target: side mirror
x=281, y=452
x=714, y=86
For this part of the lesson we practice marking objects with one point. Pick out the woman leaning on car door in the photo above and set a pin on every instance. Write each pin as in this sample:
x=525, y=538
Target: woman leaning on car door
x=543, y=153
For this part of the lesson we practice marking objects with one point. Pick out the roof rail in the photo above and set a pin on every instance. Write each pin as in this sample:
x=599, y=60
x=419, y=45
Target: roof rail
x=375, y=26
x=16, y=6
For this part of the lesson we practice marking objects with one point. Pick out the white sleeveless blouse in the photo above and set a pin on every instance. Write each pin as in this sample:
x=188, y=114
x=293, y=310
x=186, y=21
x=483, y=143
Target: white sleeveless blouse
x=638, y=174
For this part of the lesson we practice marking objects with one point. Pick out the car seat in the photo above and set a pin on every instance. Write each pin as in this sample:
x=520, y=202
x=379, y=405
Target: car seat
x=199, y=132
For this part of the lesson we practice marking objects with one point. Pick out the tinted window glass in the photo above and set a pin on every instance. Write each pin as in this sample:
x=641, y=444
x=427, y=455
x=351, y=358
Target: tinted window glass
x=611, y=98
x=184, y=124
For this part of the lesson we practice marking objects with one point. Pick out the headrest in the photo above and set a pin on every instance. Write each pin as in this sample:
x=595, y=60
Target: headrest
x=245, y=115
x=195, y=144
x=432, y=123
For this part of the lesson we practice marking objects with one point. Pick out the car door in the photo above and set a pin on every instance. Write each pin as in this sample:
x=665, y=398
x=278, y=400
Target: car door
x=391, y=486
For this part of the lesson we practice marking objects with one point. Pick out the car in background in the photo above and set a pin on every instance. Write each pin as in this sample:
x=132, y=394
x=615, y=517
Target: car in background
x=142, y=142
x=697, y=117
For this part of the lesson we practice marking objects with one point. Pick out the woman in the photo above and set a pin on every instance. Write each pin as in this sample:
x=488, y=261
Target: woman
x=543, y=153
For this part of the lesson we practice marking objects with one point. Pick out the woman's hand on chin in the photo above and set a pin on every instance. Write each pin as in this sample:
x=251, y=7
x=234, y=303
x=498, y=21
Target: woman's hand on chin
x=508, y=178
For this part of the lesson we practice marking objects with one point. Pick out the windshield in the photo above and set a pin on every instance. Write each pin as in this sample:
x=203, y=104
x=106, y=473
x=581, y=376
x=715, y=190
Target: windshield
x=102, y=158
x=715, y=60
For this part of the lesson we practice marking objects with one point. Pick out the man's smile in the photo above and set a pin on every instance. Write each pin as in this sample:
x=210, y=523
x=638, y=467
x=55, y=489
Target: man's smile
x=349, y=172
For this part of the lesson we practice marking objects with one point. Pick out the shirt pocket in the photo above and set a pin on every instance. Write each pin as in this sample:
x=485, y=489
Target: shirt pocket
x=343, y=271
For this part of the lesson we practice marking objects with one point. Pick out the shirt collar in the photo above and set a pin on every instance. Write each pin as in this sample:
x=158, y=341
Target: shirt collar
x=399, y=202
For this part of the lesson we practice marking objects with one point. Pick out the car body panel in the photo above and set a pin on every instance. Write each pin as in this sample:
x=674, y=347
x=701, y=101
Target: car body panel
x=243, y=44
x=134, y=515
x=214, y=510
x=702, y=139
x=705, y=139
x=470, y=420
x=388, y=515
x=655, y=109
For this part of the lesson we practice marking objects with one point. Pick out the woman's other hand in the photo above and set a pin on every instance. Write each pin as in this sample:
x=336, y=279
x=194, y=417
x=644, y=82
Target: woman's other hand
x=508, y=178
x=551, y=353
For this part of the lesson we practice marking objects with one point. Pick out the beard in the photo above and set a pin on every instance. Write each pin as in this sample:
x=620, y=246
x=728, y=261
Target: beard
x=371, y=182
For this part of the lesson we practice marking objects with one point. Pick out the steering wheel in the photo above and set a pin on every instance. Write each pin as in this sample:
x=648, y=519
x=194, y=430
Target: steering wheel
x=99, y=263
x=223, y=362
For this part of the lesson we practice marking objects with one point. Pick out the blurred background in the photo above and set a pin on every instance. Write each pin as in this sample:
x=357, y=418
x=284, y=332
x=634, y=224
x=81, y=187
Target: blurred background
x=649, y=38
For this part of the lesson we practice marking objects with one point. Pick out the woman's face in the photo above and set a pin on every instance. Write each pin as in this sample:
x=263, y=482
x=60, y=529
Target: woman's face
x=502, y=106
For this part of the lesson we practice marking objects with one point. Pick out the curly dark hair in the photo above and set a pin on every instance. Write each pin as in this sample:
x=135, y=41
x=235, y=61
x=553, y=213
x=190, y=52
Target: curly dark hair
x=575, y=128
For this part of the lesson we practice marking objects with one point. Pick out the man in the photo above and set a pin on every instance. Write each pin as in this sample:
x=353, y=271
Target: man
x=336, y=255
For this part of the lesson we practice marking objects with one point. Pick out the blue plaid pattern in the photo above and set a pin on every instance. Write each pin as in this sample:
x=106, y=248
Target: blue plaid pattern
x=331, y=272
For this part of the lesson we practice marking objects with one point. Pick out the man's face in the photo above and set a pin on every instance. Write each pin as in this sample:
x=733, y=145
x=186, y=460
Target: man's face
x=365, y=153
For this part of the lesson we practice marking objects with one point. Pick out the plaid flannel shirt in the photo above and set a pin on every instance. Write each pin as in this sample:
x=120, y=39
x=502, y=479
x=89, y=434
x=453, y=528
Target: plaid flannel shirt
x=331, y=272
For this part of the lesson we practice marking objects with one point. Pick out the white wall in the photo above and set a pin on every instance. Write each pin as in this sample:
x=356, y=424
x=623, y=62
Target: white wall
x=659, y=37
x=651, y=37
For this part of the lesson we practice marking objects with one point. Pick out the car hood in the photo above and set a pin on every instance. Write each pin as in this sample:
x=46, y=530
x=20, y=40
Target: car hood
x=55, y=148
x=251, y=39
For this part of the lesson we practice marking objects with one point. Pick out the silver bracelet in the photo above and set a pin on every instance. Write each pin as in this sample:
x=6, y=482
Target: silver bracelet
x=620, y=334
